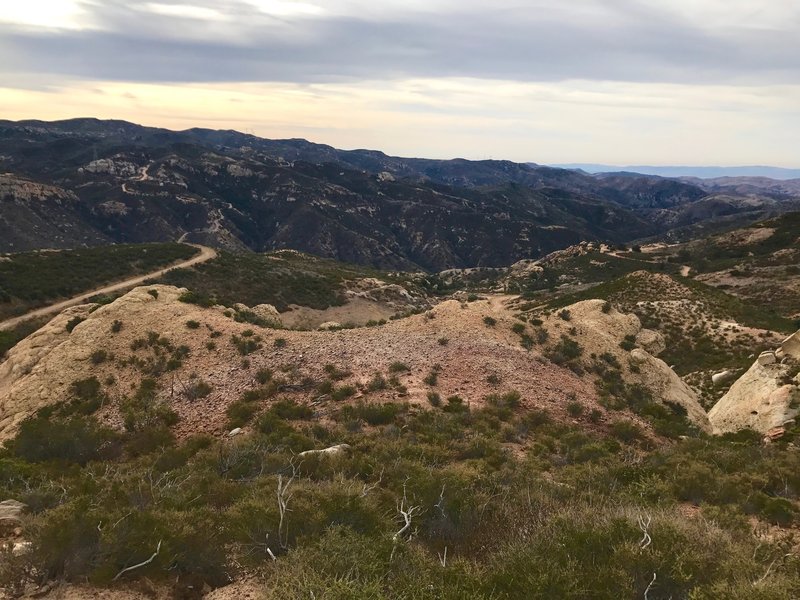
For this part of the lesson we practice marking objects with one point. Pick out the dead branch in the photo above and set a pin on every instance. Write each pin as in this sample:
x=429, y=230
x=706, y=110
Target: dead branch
x=405, y=515
x=650, y=585
x=284, y=496
x=141, y=564
x=646, y=539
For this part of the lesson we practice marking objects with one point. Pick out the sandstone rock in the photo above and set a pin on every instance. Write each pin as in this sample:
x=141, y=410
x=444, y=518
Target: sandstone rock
x=791, y=346
x=329, y=325
x=39, y=370
x=332, y=451
x=758, y=400
x=668, y=387
x=11, y=510
x=722, y=377
x=234, y=432
x=652, y=341
x=600, y=332
x=269, y=313
x=767, y=358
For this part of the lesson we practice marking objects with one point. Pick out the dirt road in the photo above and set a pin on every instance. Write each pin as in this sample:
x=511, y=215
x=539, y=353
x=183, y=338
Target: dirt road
x=205, y=255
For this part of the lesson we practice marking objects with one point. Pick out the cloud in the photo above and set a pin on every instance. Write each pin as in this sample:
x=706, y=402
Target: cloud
x=306, y=42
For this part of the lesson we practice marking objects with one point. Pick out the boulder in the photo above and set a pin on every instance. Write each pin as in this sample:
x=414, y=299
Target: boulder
x=10, y=515
x=652, y=341
x=234, y=432
x=329, y=325
x=722, y=377
x=331, y=451
x=269, y=313
x=767, y=358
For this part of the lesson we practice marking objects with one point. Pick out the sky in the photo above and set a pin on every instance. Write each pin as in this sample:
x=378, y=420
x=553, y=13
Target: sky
x=689, y=82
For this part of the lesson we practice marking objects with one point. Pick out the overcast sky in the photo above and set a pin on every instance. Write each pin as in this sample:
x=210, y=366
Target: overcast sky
x=693, y=82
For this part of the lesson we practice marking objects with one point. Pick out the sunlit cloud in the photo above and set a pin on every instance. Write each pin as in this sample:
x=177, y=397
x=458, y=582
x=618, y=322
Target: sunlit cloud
x=54, y=14
x=703, y=81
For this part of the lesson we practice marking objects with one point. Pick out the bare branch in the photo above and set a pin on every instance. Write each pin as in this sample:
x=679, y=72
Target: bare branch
x=141, y=564
x=646, y=539
x=650, y=585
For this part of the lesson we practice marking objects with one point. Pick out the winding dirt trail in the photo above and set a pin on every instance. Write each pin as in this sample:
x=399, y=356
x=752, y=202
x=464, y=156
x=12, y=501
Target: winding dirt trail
x=205, y=255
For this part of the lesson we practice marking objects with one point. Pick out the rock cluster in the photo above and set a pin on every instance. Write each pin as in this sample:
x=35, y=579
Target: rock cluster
x=766, y=397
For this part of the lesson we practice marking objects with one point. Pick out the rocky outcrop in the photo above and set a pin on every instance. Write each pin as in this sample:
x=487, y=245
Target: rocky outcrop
x=766, y=396
x=39, y=370
x=601, y=331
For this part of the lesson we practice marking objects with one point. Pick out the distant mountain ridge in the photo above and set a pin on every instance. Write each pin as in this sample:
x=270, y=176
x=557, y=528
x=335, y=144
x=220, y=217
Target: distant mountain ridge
x=87, y=182
x=710, y=172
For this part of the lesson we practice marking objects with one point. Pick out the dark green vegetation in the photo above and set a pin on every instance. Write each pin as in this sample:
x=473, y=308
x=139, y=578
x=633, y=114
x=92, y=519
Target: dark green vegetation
x=760, y=264
x=34, y=279
x=10, y=337
x=279, y=278
x=566, y=515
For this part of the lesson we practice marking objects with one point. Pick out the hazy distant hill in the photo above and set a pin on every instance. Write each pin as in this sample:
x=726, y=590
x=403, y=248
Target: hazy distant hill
x=701, y=172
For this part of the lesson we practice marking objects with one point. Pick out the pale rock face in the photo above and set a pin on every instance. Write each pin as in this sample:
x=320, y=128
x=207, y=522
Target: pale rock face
x=791, y=346
x=329, y=325
x=767, y=358
x=601, y=332
x=667, y=386
x=759, y=400
x=722, y=377
x=652, y=341
x=40, y=369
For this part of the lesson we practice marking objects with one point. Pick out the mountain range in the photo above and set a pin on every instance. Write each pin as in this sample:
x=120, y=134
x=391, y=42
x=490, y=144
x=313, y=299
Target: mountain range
x=84, y=182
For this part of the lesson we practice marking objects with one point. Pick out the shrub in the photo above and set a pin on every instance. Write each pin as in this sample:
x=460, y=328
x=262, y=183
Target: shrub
x=144, y=410
x=431, y=378
x=116, y=326
x=98, y=357
x=73, y=440
x=629, y=343
x=378, y=382
x=455, y=404
x=574, y=409
x=490, y=321
x=518, y=328
x=246, y=345
x=240, y=413
x=434, y=399
x=398, y=367
x=335, y=373
x=263, y=375
x=342, y=392
x=564, y=314
x=493, y=379
x=626, y=431
x=290, y=410
x=374, y=414
x=193, y=324
x=443, y=341
x=197, y=390
x=73, y=323
x=280, y=342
